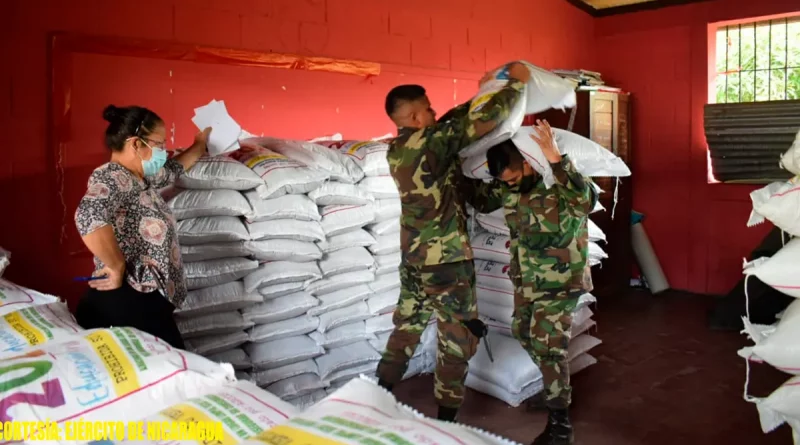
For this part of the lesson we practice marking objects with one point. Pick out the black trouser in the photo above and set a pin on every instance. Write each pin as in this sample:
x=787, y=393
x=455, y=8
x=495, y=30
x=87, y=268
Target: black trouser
x=127, y=307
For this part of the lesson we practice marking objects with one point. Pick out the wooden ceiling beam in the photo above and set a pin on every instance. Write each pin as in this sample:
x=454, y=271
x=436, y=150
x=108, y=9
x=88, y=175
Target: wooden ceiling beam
x=627, y=9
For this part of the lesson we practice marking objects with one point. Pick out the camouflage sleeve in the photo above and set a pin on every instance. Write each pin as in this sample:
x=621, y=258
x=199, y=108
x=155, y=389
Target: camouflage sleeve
x=576, y=190
x=461, y=126
x=485, y=197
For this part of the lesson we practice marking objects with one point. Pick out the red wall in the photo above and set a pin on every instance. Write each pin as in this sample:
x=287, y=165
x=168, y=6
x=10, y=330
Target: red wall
x=443, y=44
x=698, y=230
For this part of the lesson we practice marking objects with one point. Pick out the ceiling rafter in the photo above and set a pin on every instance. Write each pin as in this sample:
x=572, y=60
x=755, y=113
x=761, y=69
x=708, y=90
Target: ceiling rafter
x=604, y=8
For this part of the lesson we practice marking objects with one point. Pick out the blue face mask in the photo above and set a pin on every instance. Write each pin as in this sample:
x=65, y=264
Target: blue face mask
x=157, y=160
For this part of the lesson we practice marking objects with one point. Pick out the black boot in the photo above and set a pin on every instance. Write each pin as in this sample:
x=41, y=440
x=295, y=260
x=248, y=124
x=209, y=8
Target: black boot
x=447, y=414
x=558, y=430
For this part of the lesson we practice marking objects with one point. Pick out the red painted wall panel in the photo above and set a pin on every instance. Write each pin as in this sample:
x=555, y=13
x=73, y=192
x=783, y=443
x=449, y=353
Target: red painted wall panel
x=698, y=230
x=443, y=44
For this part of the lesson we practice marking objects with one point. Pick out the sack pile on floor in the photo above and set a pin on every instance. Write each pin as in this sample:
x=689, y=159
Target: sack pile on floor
x=779, y=345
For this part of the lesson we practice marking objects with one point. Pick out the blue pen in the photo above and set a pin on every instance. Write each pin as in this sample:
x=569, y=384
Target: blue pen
x=87, y=279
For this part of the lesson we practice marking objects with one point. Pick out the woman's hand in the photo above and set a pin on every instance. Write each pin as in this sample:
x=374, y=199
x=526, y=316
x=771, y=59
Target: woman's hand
x=113, y=279
x=201, y=138
x=543, y=135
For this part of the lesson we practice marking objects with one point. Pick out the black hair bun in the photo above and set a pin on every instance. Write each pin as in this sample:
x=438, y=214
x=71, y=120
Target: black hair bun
x=112, y=114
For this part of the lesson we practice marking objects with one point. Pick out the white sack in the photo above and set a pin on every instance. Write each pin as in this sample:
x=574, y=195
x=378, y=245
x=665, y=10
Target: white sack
x=513, y=369
x=494, y=222
x=337, y=193
x=343, y=335
x=790, y=160
x=596, y=234
x=580, y=363
x=381, y=324
x=281, y=175
x=283, y=329
x=286, y=351
x=340, y=317
x=213, y=324
x=212, y=344
x=385, y=283
x=340, y=219
x=581, y=345
x=210, y=273
x=213, y=251
x=244, y=376
x=355, y=238
x=782, y=406
x=280, y=272
x=346, y=357
x=388, y=263
x=386, y=244
x=493, y=275
x=308, y=231
x=307, y=400
x=296, y=386
x=236, y=357
x=199, y=203
x=346, y=260
x=380, y=187
x=779, y=203
x=340, y=378
x=34, y=326
x=777, y=345
x=295, y=207
x=220, y=172
x=490, y=247
x=279, y=309
x=338, y=166
x=369, y=155
x=387, y=208
x=499, y=297
x=596, y=252
x=384, y=302
x=780, y=270
x=281, y=290
x=284, y=250
x=512, y=399
x=340, y=299
x=211, y=229
x=221, y=298
x=269, y=376
x=339, y=282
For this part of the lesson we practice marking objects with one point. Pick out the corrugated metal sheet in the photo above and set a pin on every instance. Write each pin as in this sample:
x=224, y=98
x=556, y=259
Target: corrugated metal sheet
x=746, y=140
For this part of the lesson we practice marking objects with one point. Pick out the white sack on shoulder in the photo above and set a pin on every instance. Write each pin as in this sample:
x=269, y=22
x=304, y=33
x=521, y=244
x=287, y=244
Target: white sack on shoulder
x=337, y=193
x=780, y=270
x=281, y=175
x=296, y=207
x=211, y=229
x=221, y=298
x=779, y=203
x=198, y=203
x=338, y=166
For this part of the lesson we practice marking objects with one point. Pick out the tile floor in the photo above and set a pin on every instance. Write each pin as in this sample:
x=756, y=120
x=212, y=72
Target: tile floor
x=661, y=378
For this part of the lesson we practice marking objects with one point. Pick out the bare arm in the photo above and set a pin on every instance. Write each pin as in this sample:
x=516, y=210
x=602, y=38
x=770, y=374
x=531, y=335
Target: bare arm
x=103, y=244
x=190, y=156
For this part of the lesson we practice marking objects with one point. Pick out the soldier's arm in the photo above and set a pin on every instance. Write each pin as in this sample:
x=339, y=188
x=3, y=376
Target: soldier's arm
x=485, y=197
x=576, y=191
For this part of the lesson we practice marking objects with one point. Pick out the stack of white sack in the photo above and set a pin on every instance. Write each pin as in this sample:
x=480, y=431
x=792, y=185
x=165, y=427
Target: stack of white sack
x=778, y=345
x=362, y=412
x=209, y=202
x=545, y=90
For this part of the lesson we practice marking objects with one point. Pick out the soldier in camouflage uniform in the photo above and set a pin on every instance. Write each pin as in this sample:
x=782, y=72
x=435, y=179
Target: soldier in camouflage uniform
x=549, y=249
x=437, y=273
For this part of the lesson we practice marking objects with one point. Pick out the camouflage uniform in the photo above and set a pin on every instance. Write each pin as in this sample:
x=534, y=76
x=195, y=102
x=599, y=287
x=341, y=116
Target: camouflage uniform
x=437, y=271
x=549, y=248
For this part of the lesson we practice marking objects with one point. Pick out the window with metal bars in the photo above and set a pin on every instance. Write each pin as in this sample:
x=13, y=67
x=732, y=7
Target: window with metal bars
x=758, y=61
x=754, y=114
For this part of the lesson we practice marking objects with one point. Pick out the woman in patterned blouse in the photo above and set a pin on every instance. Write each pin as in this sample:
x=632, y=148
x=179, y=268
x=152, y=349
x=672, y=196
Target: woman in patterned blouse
x=130, y=229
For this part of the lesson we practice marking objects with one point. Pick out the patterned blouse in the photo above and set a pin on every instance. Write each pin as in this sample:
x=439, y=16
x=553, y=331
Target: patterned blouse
x=143, y=224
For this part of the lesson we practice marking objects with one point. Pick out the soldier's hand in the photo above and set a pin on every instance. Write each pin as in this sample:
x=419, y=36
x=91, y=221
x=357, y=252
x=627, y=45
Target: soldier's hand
x=543, y=135
x=519, y=71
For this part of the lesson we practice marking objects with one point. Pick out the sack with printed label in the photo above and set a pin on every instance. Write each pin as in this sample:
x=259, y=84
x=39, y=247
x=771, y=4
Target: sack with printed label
x=241, y=409
x=338, y=166
x=779, y=203
x=491, y=247
x=494, y=222
x=281, y=175
x=105, y=375
x=34, y=326
x=14, y=297
x=369, y=155
x=362, y=412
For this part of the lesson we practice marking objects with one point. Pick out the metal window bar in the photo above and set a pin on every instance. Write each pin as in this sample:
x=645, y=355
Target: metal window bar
x=756, y=70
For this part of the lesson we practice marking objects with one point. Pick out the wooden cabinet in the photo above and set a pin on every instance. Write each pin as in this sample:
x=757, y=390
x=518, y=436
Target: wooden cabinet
x=605, y=118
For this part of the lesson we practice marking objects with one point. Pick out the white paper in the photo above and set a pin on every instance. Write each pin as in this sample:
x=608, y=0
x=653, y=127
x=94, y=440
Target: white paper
x=225, y=131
